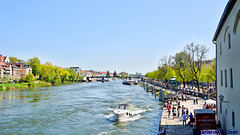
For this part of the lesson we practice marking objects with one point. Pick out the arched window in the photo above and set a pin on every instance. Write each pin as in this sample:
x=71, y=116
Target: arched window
x=236, y=22
x=225, y=33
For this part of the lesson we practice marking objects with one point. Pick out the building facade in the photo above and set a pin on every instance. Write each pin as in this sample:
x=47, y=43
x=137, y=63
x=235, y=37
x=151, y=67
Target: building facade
x=227, y=40
x=15, y=70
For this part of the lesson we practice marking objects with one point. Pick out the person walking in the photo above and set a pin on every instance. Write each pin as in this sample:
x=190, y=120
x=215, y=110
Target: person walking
x=169, y=111
x=178, y=110
x=174, y=113
x=184, y=119
x=187, y=112
x=193, y=101
x=191, y=119
x=196, y=100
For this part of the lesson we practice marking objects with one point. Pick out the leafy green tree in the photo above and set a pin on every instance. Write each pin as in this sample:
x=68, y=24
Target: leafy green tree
x=72, y=76
x=31, y=80
x=78, y=77
x=181, y=68
x=36, y=65
x=124, y=74
x=108, y=74
x=48, y=72
x=165, y=68
x=14, y=60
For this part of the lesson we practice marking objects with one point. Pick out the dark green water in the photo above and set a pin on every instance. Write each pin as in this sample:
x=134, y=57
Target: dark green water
x=83, y=108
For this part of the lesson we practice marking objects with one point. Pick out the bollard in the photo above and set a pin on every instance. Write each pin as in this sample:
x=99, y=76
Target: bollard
x=160, y=95
x=163, y=96
x=155, y=92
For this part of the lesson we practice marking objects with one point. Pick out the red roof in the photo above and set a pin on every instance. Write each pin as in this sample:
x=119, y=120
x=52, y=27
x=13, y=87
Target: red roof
x=103, y=72
x=2, y=63
x=2, y=59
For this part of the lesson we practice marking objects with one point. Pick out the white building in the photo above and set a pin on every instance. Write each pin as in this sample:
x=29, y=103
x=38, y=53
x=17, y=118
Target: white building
x=227, y=40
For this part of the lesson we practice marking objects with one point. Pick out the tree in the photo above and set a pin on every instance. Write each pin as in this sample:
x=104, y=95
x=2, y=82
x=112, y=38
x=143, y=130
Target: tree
x=181, y=67
x=48, y=72
x=72, y=76
x=14, y=60
x=195, y=56
x=108, y=74
x=36, y=65
x=124, y=75
x=31, y=80
x=114, y=74
x=165, y=68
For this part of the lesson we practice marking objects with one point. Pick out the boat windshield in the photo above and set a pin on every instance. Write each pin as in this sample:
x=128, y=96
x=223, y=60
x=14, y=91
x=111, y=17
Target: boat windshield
x=123, y=107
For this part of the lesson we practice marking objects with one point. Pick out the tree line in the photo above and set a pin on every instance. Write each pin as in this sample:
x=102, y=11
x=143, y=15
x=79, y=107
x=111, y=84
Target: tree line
x=53, y=74
x=187, y=65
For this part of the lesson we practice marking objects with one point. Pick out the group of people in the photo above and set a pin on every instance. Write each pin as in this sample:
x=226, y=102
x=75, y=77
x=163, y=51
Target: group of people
x=177, y=109
x=209, y=106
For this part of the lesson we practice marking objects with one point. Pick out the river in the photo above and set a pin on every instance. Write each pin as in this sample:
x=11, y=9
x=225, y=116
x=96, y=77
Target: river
x=80, y=108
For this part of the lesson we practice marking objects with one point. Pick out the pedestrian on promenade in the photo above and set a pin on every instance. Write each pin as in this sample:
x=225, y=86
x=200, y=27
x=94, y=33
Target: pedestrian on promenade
x=187, y=112
x=183, y=111
x=162, y=132
x=191, y=119
x=182, y=97
x=193, y=101
x=196, y=100
x=169, y=111
x=184, y=119
x=174, y=113
x=178, y=110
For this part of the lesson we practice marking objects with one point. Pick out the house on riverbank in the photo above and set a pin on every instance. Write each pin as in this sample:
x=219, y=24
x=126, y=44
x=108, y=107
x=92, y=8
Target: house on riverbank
x=15, y=70
x=227, y=40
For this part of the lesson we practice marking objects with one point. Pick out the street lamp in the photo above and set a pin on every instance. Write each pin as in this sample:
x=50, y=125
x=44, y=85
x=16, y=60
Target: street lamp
x=221, y=98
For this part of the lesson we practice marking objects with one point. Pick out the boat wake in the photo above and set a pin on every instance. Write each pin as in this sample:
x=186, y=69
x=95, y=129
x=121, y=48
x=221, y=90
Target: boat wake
x=136, y=114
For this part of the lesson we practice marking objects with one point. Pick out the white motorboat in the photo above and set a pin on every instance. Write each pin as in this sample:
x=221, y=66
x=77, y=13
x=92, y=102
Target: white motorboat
x=122, y=112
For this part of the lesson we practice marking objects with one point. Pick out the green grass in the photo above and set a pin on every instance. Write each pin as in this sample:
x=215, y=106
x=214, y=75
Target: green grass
x=10, y=86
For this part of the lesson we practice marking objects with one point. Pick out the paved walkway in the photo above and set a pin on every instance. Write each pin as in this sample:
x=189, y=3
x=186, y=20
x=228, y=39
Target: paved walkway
x=175, y=126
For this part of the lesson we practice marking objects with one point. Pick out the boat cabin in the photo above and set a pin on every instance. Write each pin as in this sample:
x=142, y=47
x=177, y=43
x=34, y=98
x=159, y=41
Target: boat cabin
x=122, y=106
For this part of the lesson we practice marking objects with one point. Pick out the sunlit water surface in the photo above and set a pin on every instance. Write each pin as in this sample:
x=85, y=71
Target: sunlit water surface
x=81, y=108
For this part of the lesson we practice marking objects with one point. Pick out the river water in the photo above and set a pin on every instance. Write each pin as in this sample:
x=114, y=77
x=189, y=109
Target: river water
x=80, y=108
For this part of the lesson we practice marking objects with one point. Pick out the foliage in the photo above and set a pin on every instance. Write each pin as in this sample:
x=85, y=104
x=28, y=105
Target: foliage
x=108, y=74
x=188, y=65
x=124, y=74
x=31, y=80
x=36, y=65
x=114, y=74
x=195, y=56
x=14, y=60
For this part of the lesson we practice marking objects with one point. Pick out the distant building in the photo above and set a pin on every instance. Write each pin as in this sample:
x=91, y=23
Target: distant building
x=15, y=70
x=5, y=67
x=20, y=70
x=227, y=40
x=76, y=69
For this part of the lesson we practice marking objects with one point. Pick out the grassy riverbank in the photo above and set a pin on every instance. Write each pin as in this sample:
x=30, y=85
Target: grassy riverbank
x=11, y=86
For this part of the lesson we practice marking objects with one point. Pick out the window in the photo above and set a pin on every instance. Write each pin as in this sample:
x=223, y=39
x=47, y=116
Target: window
x=233, y=119
x=221, y=78
x=225, y=78
x=229, y=41
x=231, y=78
x=220, y=107
x=220, y=48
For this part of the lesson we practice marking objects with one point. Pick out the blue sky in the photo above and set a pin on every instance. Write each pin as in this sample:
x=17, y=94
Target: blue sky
x=121, y=35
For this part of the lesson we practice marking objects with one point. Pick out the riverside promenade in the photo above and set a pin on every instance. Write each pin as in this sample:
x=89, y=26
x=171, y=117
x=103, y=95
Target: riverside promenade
x=175, y=126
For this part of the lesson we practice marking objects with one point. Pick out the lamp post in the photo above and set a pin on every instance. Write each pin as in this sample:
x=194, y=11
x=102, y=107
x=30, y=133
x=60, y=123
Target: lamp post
x=221, y=98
